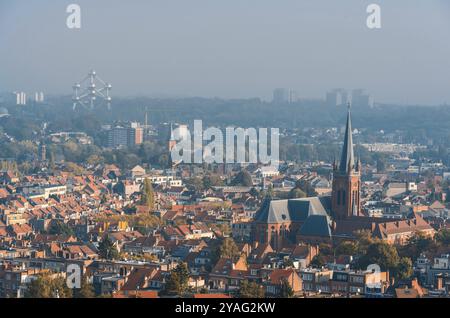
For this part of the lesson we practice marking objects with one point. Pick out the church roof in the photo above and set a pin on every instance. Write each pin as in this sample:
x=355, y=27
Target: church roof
x=316, y=225
x=347, y=157
x=292, y=210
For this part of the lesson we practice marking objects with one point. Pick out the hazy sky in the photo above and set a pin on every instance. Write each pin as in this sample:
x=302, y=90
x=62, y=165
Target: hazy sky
x=230, y=48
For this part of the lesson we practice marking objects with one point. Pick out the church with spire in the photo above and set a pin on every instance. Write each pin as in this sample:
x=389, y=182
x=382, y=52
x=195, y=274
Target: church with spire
x=283, y=223
x=346, y=189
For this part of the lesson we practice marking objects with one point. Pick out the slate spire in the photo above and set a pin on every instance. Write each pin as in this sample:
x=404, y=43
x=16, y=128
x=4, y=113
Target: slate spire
x=348, y=158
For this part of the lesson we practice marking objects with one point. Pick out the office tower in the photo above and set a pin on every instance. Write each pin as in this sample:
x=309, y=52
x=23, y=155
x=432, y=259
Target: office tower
x=361, y=99
x=118, y=137
x=345, y=97
x=280, y=95
x=332, y=99
x=292, y=96
x=337, y=97
x=21, y=98
x=125, y=136
x=161, y=133
x=39, y=97
x=138, y=135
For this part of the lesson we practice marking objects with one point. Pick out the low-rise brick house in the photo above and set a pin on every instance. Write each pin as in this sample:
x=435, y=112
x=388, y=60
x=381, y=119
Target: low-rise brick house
x=278, y=277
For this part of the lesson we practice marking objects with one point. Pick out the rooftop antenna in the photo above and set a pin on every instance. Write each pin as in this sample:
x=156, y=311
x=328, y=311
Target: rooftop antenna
x=94, y=87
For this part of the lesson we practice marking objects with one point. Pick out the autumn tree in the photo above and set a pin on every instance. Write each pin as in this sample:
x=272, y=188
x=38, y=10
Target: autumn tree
x=145, y=222
x=107, y=249
x=46, y=286
x=250, y=290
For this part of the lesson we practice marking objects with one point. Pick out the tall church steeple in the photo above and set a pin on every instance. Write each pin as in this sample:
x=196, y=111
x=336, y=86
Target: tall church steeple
x=348, y=157
x=346, y=200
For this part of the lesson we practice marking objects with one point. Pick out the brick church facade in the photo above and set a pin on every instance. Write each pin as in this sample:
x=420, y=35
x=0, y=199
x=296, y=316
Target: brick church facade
x=282, y=223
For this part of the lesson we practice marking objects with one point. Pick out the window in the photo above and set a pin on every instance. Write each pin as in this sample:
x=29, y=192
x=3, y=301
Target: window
x=339, y=197
x=357, y=279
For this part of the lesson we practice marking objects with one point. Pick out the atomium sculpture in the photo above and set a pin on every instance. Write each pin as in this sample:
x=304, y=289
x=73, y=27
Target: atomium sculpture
x=95, y=88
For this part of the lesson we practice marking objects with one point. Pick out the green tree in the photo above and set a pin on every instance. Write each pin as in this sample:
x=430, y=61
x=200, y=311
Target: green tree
x=286, y=289
x=318, y=261
x=347, y=248
x=229, y=249
x=443, y=237
x=381, y=253
x=107, y=250
x=250, y=290
x=148, y=196
x=417, y=244
x=95, y=159
x=364, y=240
x=243, y=178
x=306, y=187
x=163, y=160
x=86, y=290
x=404, y=268
x=178, y=280
x=288, y=263
x=196, y=184
x=60, y=228
x=381, y=165
x=211, y=180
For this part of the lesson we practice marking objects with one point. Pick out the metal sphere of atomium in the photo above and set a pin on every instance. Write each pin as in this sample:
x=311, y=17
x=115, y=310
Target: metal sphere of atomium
x=94, y=89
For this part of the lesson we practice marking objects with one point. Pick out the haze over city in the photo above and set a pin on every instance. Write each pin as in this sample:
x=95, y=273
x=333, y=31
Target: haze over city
x=179, y=150
x=230, y=49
